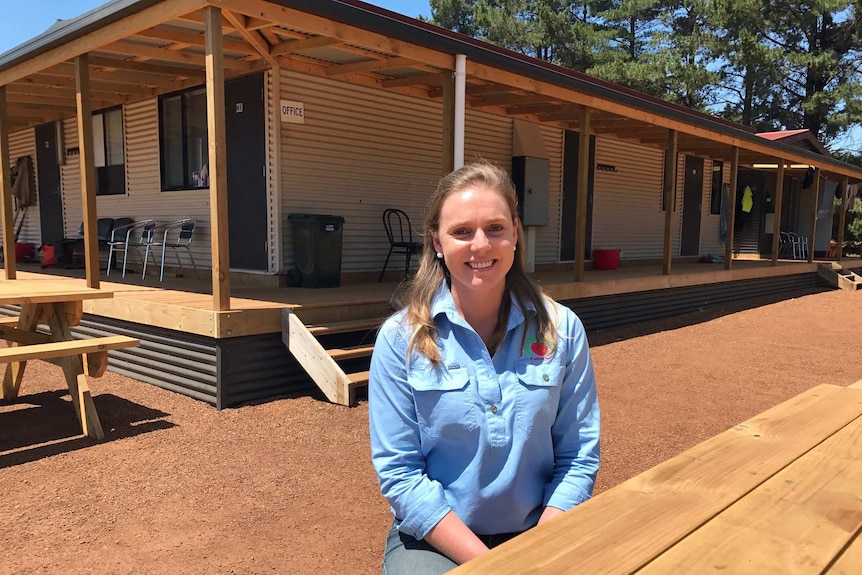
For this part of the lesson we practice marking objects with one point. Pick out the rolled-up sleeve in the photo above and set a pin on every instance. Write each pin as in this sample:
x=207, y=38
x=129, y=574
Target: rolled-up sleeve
x=418, y=502
x=576, y=429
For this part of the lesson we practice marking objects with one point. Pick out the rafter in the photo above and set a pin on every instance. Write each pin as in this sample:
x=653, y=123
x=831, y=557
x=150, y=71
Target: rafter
x=420, y=80
x=162, y=54
x=369, y=66
x=174, y=71
x=240, y=23
x=295, y=46
x=191, y=39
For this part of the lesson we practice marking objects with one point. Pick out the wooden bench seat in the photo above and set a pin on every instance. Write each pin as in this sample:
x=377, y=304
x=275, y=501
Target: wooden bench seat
x=93, y=350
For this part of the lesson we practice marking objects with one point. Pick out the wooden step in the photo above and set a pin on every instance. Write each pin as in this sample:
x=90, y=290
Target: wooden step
x=340, y=354
x=346, y=326
x=358, y=379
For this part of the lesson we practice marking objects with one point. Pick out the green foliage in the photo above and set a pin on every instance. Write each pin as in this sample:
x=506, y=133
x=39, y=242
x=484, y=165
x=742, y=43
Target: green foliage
x=853, y=223
x=769, y=64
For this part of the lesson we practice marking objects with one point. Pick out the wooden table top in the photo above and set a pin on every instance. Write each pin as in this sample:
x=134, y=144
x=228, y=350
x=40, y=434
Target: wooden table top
x=45, y=291
x=780, y=493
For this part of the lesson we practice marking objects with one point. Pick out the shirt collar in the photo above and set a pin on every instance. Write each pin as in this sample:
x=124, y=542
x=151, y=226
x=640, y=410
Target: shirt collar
x=443, y=303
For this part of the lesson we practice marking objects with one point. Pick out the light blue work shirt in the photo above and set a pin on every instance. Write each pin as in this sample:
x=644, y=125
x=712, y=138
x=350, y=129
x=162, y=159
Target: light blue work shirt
x=493, y=439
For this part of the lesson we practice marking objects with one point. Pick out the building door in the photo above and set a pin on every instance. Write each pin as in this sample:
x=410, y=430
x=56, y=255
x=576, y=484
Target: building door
x=691, y=206
x=48, y=177
x=568, y=226
x=245, y=127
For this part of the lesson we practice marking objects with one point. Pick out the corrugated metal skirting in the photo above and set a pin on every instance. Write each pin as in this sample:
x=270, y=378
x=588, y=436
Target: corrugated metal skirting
x=605, y=312
x=233, y=371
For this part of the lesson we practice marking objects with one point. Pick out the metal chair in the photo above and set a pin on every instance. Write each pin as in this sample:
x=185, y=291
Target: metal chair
x=184, y=230
x=400, y=234
x=117, y=231
x=137, y=235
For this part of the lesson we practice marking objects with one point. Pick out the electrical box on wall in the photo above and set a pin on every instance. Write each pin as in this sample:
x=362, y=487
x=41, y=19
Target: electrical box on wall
x=532, y=179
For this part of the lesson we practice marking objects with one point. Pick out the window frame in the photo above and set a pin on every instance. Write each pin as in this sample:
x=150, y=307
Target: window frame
x=716, y=185
x=110, y=177
x=188, y=182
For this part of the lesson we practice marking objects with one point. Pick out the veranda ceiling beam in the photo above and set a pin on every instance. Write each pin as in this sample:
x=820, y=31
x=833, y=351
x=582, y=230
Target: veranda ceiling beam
x=124, y=47
x=370, y=66
x=295, y=46
x=192, y=39
x=63, y=82
x=251, y=36
x=146, y=18
x=173, y=71
x=318, y=26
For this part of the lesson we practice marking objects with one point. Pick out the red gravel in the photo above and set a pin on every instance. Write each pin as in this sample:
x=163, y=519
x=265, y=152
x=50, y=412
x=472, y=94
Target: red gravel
x=286, y=486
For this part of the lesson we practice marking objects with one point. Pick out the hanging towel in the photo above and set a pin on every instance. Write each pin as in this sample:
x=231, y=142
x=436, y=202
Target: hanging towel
x=24, y=188
x=747, y=200
x=827, y=195
x=851, y=194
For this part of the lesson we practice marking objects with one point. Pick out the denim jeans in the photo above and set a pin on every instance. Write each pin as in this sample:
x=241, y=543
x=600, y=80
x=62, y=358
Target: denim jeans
x=405, y=555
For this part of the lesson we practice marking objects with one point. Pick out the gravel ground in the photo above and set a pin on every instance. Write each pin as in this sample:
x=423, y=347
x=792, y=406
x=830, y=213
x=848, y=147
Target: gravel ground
x=286, y=486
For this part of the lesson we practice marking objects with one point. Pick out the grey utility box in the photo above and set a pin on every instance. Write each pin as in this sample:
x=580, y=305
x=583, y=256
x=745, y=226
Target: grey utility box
x=532, y=179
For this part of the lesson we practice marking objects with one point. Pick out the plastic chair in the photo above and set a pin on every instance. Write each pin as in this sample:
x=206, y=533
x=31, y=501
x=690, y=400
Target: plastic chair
x=184, y=230
x=400, y=234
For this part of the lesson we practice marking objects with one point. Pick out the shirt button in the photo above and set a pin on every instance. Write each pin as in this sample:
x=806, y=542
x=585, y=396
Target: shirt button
x=545, y=377
x=494, y=409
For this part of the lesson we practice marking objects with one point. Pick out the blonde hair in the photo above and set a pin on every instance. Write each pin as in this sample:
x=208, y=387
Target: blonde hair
x=433, y=272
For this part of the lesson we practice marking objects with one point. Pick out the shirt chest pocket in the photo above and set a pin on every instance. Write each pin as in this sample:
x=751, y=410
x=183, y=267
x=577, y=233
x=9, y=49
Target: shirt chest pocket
x=537, y=394
x=444, y=401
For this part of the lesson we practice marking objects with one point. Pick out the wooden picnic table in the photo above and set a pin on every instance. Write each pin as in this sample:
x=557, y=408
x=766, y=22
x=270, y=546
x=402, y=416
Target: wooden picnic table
x=58, y=305
x=778, y=494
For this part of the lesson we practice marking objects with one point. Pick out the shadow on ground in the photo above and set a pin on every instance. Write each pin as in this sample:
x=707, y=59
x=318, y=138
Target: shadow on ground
x=44, y=424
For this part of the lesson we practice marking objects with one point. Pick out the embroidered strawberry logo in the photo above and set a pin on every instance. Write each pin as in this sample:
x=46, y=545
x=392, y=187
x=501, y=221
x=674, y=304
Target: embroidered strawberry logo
x=540, y=348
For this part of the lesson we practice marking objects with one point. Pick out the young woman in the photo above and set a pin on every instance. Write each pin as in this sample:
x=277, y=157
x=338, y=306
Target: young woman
x=482, y=400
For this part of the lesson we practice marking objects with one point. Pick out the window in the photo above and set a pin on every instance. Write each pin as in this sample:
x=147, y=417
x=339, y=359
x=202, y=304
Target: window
x=108, y=152
x=183, y=139
x=715, y=192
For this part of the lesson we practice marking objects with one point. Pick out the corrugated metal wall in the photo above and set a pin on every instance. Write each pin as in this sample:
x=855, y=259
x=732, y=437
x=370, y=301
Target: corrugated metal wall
x=627, y=203
x=361, y=151
x=710, y=240
x=272, y=90
x=23, y=143
x=548, y=237
x=143, y=198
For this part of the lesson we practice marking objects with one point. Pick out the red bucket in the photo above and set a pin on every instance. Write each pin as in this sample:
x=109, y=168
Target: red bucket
x=606, y=259
x=48, y=257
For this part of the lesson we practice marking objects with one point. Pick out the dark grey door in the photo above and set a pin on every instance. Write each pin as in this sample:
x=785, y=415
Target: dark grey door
x=691, y=205
x=245, y=128
x=48, y=176
x=570, y=196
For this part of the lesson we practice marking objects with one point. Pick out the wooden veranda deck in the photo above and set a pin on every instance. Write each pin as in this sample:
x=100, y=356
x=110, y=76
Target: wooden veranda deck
x=184, y=305
x=227, y=358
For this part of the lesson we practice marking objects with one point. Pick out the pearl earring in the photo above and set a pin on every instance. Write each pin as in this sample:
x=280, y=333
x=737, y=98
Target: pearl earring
x=439, y=256
x=515, y=249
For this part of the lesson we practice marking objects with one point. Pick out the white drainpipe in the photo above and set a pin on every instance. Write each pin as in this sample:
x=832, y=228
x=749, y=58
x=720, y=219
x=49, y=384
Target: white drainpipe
x=460, y=104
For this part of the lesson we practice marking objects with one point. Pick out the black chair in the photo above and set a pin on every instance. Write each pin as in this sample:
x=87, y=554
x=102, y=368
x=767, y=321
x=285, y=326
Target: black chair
x=178, y=235
x=400, y=234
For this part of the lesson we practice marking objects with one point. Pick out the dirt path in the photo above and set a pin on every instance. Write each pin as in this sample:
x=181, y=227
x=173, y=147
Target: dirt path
x=287, y=486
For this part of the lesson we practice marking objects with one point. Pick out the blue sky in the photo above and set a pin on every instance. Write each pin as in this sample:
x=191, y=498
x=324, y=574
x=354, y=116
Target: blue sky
x=19, y=25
